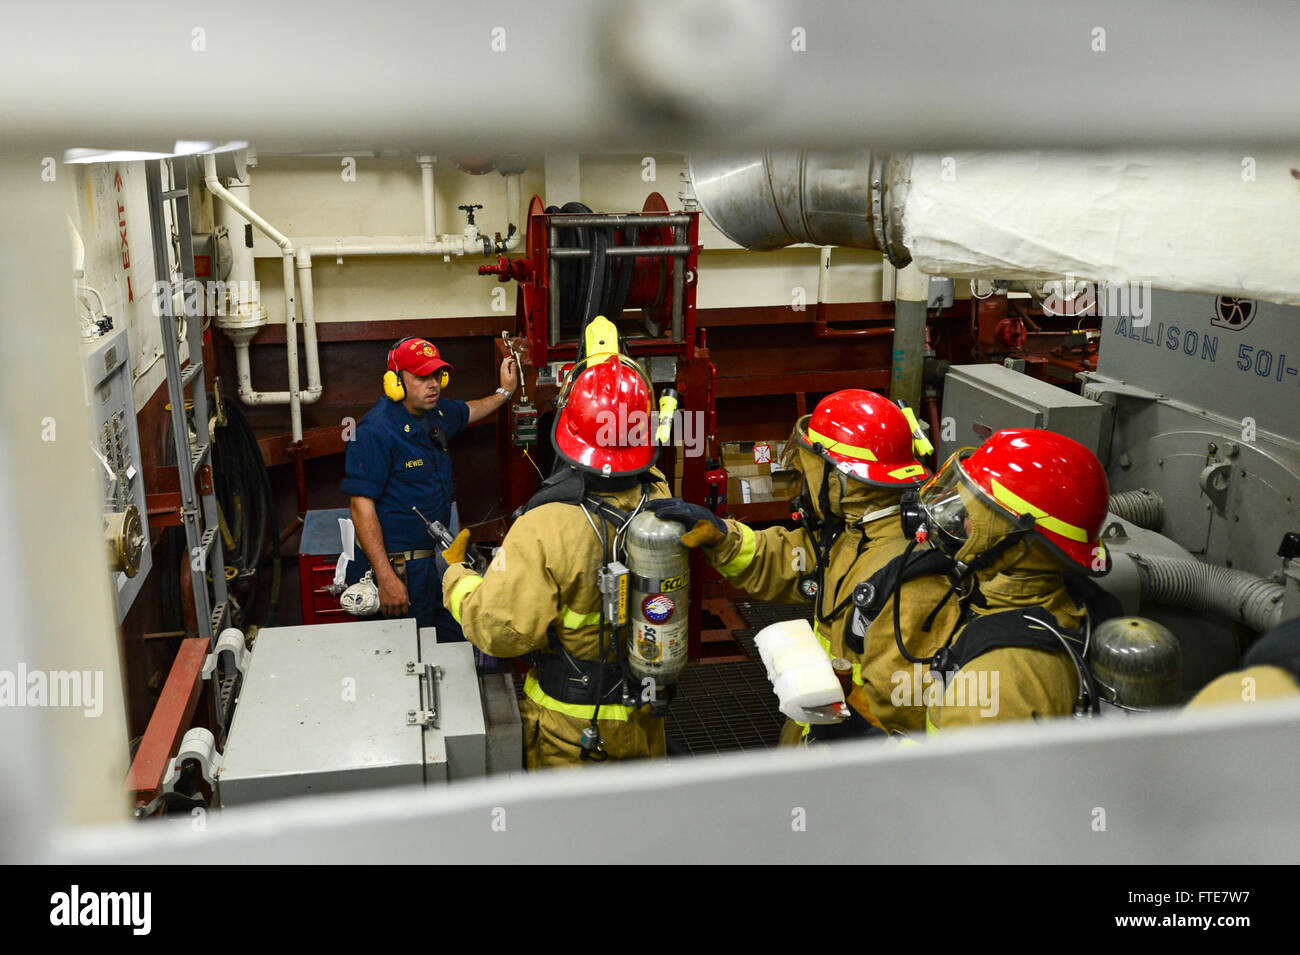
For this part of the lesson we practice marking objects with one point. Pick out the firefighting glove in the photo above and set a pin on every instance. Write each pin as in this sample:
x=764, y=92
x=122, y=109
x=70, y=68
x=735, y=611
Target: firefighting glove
x=455, y=552
x=703, y=527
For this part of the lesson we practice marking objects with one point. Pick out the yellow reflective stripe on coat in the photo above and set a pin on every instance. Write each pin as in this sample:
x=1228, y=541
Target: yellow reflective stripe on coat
x=465, y=586
x=839, y=447
x=930, y=728
x=826, y=644
x=1045, y=520
x=608, y=711
x=830, y=654
x=745, y=556
x=572, y=620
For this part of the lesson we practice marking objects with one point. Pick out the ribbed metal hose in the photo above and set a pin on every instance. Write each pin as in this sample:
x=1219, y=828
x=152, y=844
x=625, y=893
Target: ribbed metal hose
x=1143, y=507
x=1205, y=588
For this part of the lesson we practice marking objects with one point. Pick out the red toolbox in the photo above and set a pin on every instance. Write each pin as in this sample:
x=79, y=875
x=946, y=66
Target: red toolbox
x=318, y=553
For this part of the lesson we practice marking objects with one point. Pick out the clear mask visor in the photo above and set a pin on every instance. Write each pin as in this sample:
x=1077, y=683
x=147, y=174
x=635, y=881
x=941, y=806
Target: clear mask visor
x=941, y=499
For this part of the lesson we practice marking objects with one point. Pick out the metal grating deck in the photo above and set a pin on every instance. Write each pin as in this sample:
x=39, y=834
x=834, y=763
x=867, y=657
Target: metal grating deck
x=722, y=707
x=758, y=615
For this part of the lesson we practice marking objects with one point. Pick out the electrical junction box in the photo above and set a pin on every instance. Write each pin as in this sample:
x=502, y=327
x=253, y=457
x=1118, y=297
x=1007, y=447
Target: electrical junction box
x=356, y=706
x=981, y=399
x=115, y=447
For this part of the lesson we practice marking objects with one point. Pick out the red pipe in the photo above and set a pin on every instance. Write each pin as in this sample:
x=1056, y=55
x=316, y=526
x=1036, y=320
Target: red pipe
x=823, y=331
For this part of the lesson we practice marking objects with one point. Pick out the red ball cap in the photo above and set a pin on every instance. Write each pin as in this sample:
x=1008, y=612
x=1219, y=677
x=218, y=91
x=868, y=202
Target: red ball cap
x=419, y=357
x=1054, y=478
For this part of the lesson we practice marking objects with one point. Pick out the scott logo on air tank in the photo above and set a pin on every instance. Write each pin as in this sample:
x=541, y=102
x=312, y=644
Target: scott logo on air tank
x=658, y=608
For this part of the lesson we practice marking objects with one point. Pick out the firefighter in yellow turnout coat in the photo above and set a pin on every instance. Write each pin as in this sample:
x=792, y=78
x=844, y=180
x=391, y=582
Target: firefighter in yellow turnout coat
x=856, y=455
x=539, y=595
x=1022, y=516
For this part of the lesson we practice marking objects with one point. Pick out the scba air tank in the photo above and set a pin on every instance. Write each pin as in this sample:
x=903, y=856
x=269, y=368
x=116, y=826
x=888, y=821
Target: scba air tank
x=658, y=599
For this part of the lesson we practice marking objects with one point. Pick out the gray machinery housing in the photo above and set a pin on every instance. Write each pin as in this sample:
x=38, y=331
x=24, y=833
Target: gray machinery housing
x=352, y=706
x=1193, y=411
x=115, y=444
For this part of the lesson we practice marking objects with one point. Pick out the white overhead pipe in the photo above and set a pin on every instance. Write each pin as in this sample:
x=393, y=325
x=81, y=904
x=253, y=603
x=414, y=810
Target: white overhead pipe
x=294, y=397
x=431, y=244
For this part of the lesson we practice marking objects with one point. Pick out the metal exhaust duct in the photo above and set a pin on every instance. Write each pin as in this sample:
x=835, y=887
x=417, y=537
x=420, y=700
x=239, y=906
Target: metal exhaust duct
x=774, y=199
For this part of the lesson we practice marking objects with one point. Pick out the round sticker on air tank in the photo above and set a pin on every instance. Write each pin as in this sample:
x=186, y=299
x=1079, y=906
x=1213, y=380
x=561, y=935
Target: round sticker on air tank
x=658, y=608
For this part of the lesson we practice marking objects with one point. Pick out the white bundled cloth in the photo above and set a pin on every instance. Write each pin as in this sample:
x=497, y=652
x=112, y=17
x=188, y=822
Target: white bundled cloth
x=362, y=598
x=348, y=536
x=801, y=673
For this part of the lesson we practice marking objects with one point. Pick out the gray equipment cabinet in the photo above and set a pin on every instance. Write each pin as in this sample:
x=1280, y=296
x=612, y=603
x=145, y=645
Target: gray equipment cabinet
x=355, y=706
x=981, y=399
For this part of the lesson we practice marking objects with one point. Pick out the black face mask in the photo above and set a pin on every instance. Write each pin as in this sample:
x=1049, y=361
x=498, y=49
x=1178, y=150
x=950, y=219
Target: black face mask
x=911, y=514
x=811, y=518
x=914, y=519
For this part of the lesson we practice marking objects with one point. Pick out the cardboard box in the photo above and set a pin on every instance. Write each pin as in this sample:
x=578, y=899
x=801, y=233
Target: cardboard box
x=754, y=472
x=738, y=459
x=781, y=487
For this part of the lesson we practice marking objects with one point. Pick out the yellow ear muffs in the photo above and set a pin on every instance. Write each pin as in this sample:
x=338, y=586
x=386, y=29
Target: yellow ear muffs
x=393, y=386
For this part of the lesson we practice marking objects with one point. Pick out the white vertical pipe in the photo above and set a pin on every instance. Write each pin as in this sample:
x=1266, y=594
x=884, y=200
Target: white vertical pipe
x=291, y=347
x=295, y=396
x=242, y=269
x=426, y=188
x=823, y=274
x=307, y=292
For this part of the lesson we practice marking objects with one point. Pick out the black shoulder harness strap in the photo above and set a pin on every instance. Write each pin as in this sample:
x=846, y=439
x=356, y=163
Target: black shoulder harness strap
x=565, y=485
x=1034, y=628
x=1010, y=628
x=869, y=596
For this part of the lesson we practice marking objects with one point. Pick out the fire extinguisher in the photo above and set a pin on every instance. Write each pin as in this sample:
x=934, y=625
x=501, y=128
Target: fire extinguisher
x=716, y=478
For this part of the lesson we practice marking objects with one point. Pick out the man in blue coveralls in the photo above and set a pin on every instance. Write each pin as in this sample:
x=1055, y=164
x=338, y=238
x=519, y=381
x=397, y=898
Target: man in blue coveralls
x=398, y=459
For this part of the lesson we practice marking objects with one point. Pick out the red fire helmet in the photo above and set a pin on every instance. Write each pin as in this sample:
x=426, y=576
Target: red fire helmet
x=605, y=425
x=1052, y=477
x=866, y=436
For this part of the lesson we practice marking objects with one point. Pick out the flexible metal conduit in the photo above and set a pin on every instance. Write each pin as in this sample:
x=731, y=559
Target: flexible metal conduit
x=1143, y=507
x=1206, y=588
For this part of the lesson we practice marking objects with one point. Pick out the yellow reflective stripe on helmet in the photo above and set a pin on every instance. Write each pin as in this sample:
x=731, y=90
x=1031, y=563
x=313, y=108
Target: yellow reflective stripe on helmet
x=465, y=586
x=908, y=470
x=839, y=447
x=572, y=621
x=745, y=556
x=1044, y=520
x=608, y=711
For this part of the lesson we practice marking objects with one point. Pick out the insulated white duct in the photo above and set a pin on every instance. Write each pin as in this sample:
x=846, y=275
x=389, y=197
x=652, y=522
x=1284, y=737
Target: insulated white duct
x=1206, y=221
x=1220, y=222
